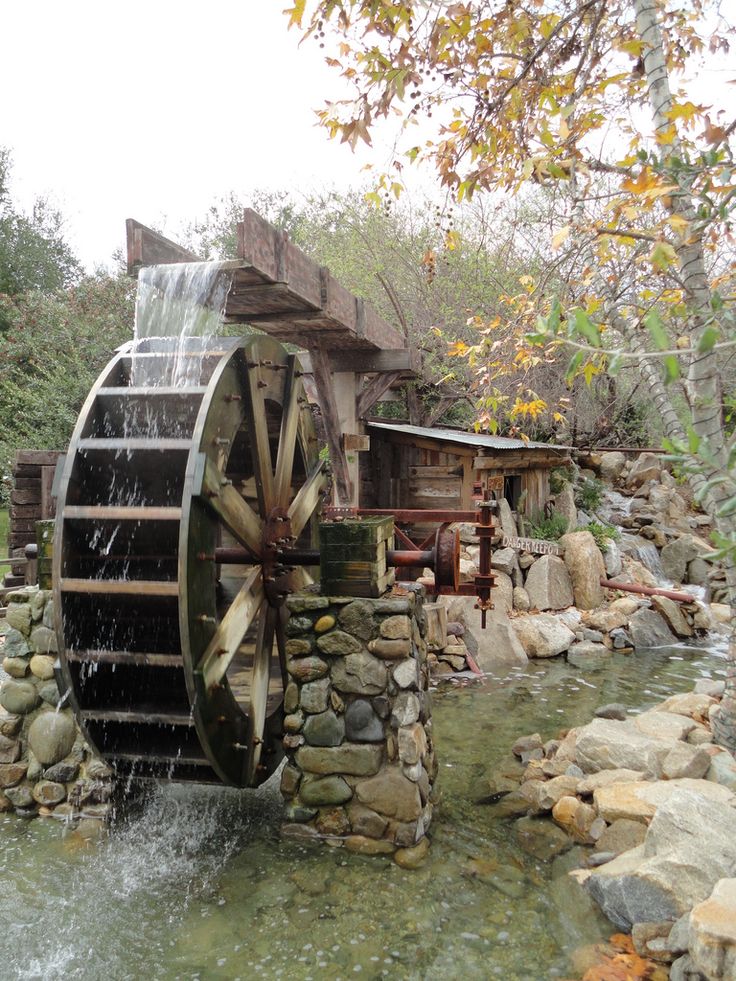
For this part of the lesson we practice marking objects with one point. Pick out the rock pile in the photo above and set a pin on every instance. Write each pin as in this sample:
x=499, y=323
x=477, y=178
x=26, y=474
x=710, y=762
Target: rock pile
x=655, y=801
x=361, y=763
x=46, y=768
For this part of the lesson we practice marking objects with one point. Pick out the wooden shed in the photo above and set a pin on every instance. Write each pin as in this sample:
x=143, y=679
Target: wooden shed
x=414, y=467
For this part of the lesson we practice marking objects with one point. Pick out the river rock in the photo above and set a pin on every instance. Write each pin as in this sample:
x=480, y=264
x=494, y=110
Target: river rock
x=11, y=774
x=540, y=838
x=324, y=791
x=16, y=645
x=648, y=629
x=63, y=772
x=414, y=856
x=10, y=750
x=406, y=673
x=712, y=933
x=16, y=667
x=362, y=725
x=324, y=729
x=391, y=794
x=544, y=794
x=49, y=793
x=646, y=467
x=684, y=760
x=691, y=703
x=314, y=695
x=587, y=655
x=608, y=745
x=577, y=818
x=42, y=667
x=405, y=710
x=337, y=643
x=397, y=627
x=548, y=584
x=18, y=616
x=43, y=640
x=20, y=796
x=590, y=783
x=359, y=845
x=351, y=758
x=390, y=650
x=51, y=737
x=677, y=554
x=498, y=647
x=612, y=466
x=19, y=697
x=663, y=725
x=306, y=668
x=50, y=693
x=543, y=635
x=585, y=565
x=361, y=673
x=357, y=619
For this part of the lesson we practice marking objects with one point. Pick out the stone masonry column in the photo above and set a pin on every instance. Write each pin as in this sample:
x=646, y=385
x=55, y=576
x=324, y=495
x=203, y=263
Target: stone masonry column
x=360, y=758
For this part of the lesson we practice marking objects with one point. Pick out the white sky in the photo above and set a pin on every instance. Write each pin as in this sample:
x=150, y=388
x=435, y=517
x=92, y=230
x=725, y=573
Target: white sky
x=151, y=110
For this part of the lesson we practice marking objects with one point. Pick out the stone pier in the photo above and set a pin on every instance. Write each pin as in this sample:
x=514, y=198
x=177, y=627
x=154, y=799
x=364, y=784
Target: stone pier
x=360, y=757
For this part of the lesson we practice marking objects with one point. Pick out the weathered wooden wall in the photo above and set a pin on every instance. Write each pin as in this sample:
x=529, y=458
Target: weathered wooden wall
x=30, y=501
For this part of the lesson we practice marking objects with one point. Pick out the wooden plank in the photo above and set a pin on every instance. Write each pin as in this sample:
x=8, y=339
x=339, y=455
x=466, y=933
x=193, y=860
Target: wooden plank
x=232, y=628
x=18, y=496
x=534, y=545
x=374, y=390
x=140, y=717
x=38, y=458
x=402, y=360
x=331, y=418
x=96, y=512
x=48, y=503
x=148, y=445
x=126, y=657
x=148, y=248
x=120, y=587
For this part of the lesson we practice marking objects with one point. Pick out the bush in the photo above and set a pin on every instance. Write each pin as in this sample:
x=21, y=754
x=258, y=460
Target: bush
x=548, y=529
x=589, y=494
x=602, y=533
x=559, y=477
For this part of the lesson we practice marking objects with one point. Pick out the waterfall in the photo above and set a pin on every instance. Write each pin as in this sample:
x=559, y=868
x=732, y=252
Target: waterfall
x=178, y=308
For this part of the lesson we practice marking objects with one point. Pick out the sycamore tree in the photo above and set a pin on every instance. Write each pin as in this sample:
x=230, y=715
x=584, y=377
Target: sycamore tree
x=589, y=98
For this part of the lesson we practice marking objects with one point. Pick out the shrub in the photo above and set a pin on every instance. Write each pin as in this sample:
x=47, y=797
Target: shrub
x=589, y=494
x=602, y=533
x=548, y=529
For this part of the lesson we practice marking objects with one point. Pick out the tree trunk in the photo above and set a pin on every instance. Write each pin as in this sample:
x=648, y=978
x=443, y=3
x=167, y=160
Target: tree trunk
x=703, y=378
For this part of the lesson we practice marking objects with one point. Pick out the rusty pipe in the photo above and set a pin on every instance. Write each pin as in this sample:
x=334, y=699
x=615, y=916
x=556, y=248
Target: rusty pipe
x=630, y=587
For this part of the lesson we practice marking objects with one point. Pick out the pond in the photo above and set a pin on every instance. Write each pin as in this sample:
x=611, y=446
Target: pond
x=199, y=885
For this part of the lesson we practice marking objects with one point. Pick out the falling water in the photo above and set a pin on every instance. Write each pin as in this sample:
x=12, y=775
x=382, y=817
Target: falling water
x=179, y=308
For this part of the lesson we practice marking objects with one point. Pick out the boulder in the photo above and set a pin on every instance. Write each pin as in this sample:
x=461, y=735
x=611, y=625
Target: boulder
x=522, y=603
x=641, y=800
x=585, y=565
x=51, y=737
x=498, y=647
x=712, y=933
x=663, y=725
x=689, y=846
x=648, y=629
x=575, y=817
x=324, y=729
x=505, y=560
x=612, y=559
x=19, y=697
x=543, y=635
x=506, y=519
x=672, y=613
x=361, y=673
x=612, y=466
x=544, y=794
x=722, y=770
x=588, y=655
x=324, y=791
x=648, y=466
x=690, y=703
x=356, y=759
x=392, y=794
x=622, y=835
x=676, y=556
x=548, y=584
x=605, y=744
x=565, y=506
x=684, y=760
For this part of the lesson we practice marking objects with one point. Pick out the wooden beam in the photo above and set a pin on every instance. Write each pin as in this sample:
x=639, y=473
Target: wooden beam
x=401, y=360
x=147, y=248
x=373, y=391
x=322, y=374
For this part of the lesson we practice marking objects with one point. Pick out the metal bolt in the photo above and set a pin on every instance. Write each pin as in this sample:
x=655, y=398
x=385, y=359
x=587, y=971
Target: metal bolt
x=233, y=398
x=204, y=618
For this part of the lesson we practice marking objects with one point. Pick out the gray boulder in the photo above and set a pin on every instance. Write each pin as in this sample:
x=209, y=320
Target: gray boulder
x=689, y=846
x=548, y=584
x=605, y=744
x=565, y=506
x=51, y=737
x=498, y=647
x=648, y=466
x=677, y=554
x=506, y=519
x=543, y=635
x=712, y=933
x=648, y=629
x=611, y=466
x=505, y=560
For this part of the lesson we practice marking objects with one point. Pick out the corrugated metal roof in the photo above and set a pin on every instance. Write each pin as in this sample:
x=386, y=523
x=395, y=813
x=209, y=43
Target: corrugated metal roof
x=479, y=440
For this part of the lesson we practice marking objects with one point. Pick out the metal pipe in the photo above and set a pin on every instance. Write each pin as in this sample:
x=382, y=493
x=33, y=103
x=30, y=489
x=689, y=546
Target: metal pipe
x=630, y=587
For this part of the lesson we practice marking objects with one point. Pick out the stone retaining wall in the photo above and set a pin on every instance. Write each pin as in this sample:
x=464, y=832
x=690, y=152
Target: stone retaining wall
x=360, y=758
x=46, y=767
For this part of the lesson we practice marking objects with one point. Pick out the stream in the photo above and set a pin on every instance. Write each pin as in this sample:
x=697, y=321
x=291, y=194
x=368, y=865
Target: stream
x=200, y=886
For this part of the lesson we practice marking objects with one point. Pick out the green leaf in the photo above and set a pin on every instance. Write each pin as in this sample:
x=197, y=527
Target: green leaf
x=693, y=440
x=585, y=326
x=553, y=320
x=707, y=339
x=614, y=365
x=653, y=323
x=671, y=368
x=572, y=368
x=727, y=508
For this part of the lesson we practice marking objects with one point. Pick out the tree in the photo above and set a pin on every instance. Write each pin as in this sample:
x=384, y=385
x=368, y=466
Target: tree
x=33, y=252
x=579, y=96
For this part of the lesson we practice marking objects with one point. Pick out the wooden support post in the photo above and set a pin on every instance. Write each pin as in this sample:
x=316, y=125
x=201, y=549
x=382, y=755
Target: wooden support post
x=345, y=384
x=374, y=389
x=324, y=382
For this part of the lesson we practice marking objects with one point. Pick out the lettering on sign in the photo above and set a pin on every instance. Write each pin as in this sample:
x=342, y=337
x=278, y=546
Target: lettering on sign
x=535, y=545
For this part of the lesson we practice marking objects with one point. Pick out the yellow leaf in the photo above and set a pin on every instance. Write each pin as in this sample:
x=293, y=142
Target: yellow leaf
x=296, y=13
x=457, y=349
x=662, y=256
x=590, y=371
x=560, y=237
x=667, y=136
x=452, y=240
x=678, y=224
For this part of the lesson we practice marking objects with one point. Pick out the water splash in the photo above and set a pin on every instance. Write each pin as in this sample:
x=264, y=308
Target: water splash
x=179, y=307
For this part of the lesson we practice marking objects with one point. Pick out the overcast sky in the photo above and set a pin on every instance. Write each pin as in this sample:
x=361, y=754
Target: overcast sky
x=152, y=108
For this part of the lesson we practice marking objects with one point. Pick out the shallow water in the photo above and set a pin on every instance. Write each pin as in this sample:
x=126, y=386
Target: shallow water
x=200, y=886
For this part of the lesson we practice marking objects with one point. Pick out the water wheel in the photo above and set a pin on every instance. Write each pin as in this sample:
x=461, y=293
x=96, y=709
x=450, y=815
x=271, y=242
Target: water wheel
x=173, y=659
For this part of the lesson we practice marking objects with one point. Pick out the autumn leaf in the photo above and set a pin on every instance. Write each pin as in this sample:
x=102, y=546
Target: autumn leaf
x=296, y=13
x=561, y=236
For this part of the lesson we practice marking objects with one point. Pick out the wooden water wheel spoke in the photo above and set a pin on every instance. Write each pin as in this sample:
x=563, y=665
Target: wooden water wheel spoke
x=259, y=686
x=236, y=515
x=257, y=422
x=172, y=630
x=307, y=499
x=287, y=438
x=232, y=628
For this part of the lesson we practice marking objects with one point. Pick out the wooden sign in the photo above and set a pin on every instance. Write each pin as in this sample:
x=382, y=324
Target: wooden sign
x=535, y=545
